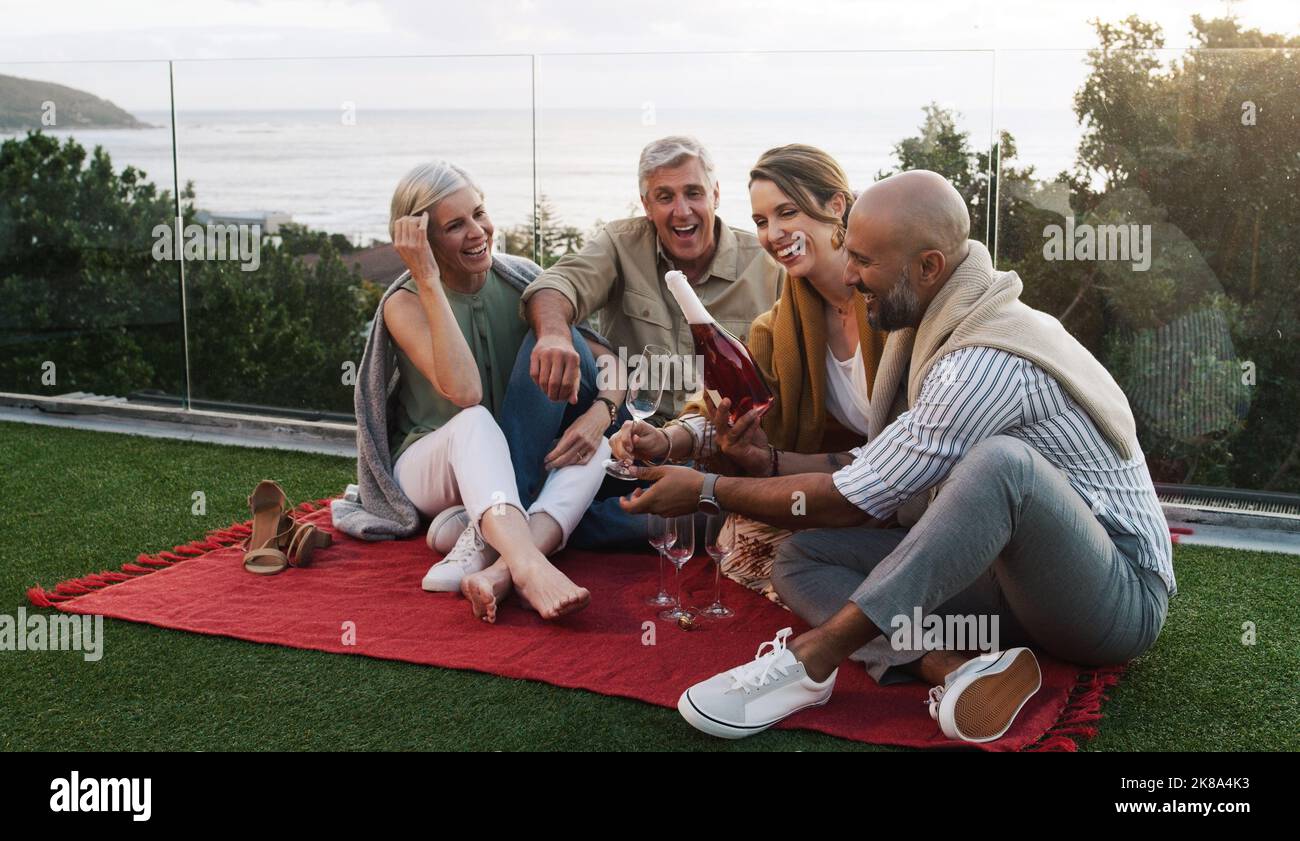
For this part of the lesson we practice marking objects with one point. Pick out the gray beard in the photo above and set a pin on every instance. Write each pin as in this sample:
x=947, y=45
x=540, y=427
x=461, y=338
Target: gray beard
x=897, y=310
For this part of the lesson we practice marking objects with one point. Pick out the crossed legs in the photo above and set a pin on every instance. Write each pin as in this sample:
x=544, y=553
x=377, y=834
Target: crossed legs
x=467, y=462
x=1007, y=536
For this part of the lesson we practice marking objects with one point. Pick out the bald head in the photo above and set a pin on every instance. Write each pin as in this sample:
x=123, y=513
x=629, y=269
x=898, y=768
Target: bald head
x=906, y=235
x=916, y=210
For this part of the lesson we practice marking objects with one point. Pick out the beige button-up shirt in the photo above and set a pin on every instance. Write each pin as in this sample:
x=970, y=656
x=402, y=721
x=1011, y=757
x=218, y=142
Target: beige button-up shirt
x=618, y=276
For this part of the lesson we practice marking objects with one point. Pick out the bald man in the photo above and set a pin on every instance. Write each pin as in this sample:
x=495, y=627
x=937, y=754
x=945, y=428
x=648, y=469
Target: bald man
x=1042, y=528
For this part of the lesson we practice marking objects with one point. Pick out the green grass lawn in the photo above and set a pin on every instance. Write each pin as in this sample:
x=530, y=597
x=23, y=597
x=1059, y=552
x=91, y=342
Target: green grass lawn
x=77, y=502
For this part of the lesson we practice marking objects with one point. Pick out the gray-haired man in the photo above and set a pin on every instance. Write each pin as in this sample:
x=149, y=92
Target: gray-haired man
x=620, y=273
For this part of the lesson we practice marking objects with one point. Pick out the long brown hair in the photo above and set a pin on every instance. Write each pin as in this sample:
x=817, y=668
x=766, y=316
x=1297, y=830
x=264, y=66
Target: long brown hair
x=811, y=178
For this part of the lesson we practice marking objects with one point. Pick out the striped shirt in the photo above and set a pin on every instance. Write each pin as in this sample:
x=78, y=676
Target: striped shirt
x=974, y=393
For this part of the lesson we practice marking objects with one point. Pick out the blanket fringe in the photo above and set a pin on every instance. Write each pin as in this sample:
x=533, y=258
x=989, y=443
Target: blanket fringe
x=145, y=564
x=1078, y=720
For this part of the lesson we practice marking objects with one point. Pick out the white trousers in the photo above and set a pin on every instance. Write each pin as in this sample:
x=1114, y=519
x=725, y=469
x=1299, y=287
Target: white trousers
x=466, y=462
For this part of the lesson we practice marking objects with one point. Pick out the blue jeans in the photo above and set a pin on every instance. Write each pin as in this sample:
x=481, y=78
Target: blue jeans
x=532, y=423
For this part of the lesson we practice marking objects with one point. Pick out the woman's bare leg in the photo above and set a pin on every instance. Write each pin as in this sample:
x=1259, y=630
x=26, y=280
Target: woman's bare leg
x=523, y=566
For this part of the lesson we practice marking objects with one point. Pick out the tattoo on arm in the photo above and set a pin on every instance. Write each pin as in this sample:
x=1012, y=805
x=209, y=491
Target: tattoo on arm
x=838, y=460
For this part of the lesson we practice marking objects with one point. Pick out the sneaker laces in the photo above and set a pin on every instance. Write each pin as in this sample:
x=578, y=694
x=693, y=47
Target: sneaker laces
x=466, y=545
x=755, y=675
x=936, y=692
x=936, y=695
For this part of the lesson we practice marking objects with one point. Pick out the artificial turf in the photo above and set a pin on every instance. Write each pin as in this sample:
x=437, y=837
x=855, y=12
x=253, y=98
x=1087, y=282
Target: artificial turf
x=76, y=502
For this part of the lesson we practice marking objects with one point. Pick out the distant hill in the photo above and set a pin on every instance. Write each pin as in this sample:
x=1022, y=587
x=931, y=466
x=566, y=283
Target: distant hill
x=21, y=102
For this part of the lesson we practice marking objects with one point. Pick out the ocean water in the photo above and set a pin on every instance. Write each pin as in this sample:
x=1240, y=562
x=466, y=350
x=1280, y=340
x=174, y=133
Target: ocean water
x=339, y=177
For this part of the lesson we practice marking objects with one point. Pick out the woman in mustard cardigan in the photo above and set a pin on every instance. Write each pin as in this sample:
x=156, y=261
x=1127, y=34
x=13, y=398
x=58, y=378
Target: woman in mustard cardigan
x=814, y=347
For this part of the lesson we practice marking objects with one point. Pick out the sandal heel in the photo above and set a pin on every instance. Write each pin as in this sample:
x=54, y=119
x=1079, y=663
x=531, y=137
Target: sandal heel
x=262, y=554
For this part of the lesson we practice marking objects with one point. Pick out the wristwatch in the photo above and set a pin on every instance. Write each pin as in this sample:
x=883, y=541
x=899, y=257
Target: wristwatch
x=708, y=501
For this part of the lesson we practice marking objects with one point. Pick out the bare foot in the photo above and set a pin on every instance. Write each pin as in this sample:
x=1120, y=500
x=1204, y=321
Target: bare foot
x=935, y=666
x=548, y=591
x=486, y=589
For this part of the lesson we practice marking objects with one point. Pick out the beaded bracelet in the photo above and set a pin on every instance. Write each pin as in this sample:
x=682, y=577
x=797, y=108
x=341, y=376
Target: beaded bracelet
x=613, y=410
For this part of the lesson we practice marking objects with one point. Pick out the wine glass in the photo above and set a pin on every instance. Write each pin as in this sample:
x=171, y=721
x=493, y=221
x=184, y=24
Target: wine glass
x=679, y=553
x=645, y=390
x=719, y=543
x=662, y=535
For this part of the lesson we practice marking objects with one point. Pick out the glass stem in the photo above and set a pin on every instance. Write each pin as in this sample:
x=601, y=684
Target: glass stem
x=678, y=576
x=662, y=556
x=717, y=581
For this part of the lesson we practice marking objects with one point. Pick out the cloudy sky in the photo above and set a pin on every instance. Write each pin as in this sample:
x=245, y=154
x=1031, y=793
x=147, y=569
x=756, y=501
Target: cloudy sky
x=235, y=51
x=138, y=29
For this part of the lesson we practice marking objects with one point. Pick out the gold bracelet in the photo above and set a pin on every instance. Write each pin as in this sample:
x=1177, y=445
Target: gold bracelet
x=695, y=440
x=667, y=452
x=694, y=443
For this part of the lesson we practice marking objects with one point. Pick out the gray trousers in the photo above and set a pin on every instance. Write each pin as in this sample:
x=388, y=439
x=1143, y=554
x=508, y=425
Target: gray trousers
x=1007, y=536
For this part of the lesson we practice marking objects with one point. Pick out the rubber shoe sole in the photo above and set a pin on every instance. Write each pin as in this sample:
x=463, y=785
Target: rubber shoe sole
x=984, y=704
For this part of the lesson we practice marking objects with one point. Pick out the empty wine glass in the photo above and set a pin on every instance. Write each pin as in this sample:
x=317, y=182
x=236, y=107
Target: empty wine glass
x=679, y=553
x=645, y=390
x=661, y=534
x=719, y=542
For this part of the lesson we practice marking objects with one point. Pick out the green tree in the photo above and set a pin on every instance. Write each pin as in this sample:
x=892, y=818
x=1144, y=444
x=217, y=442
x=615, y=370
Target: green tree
x=279, y=336
x=1025, y=206
x=299, y=239
x=80, y=287
x=1205, y=146
x=543, y=235
x=944, y=148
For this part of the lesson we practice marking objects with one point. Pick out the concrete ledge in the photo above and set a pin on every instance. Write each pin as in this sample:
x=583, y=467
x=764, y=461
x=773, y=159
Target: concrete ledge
x=118, y=415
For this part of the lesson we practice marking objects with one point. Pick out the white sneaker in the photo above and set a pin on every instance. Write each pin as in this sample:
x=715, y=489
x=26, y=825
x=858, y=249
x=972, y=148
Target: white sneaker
x=446, y=528
x=979, y=701
x=751, y=698
x=468, y=556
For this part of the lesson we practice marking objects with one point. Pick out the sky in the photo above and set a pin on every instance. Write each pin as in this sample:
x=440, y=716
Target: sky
x=251, y=53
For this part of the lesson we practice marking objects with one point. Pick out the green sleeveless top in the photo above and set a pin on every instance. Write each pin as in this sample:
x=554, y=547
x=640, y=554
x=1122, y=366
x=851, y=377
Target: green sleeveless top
x=490, y=322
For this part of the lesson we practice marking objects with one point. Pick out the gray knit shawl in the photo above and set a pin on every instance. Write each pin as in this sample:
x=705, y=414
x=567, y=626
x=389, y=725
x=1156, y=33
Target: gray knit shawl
x=383, y=512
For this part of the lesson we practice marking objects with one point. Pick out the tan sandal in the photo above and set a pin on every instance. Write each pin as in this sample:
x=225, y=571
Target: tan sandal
x=272, y=527
x=303, y=541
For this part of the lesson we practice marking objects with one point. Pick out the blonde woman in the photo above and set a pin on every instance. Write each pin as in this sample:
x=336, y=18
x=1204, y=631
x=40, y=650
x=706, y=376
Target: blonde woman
x=454, y=329
x=814, y=347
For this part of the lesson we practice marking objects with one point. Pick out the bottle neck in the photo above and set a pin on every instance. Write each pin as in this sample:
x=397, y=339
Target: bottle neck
x=682, y=291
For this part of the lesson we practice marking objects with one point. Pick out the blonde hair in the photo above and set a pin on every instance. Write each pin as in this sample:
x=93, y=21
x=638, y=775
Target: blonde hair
x=811, y=178
x=424, y=186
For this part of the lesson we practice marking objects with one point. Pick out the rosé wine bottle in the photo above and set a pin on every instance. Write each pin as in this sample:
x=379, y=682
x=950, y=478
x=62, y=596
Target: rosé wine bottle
x=728, y=368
